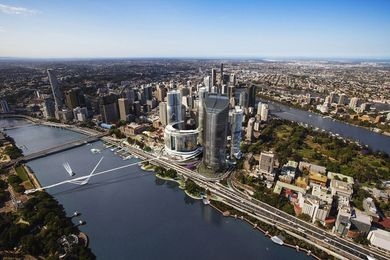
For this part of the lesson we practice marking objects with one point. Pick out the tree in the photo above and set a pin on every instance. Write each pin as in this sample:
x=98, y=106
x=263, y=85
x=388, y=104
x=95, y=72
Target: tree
x=304, y=217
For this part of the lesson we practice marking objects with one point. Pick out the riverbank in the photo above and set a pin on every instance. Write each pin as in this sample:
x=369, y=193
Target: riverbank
x=278, y=102
x=32, y=177
x=296, y=242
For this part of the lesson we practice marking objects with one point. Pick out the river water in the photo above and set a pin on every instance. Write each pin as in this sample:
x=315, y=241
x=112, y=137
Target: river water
x=131, y=214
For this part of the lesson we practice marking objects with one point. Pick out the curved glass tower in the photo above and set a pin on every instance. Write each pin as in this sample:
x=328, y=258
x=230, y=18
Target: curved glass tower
x=215, y=131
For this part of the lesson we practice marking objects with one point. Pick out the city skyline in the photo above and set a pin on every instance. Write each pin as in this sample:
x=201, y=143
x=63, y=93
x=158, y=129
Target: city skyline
x=245, y=29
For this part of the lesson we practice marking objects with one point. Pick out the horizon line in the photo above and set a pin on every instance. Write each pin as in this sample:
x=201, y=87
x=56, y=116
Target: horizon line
x=243, y=57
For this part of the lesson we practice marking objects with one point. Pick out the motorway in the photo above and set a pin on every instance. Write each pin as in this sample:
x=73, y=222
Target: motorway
x=262, y=211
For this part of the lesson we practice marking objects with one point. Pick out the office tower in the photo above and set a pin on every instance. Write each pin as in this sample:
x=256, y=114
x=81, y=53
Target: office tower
x=207, y=83
x=224, y=89
x=130, y=95
x=250, y=128
x=231, y=91
x=74, y=98
x=259, y=106
x=161, y=93
x=4, y=106
x=48, y=108
x=55, y=88
x=243, y=101
x=221, y=73
x=332, y=97
x=188, y=102
x=251, y=96
x=233, y=79
x=264, y=112
x=213, y=77
x=174, y=109
x=147, y=92
x=203, y=94
x=266, y=163
x=109, y=108
x=124, y=108
x=80, y=114
x=137, y=108
x=257, y=126
x=342, y=99
x=225, y=79
x=232, y=102
x=236, y=128
x=354, y=103
x=162, y=111
x=215, y=132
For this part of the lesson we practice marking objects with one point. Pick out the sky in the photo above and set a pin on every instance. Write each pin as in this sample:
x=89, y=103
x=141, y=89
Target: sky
x=194, y=28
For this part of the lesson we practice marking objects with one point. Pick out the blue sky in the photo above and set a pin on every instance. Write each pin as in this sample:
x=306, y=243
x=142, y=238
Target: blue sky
x=189, y=28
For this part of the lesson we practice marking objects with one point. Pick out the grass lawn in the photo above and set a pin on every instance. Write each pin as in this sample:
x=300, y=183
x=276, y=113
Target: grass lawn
x=21, y=172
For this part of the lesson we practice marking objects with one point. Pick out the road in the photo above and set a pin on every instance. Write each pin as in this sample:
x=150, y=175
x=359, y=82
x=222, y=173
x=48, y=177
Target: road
x=261, y=210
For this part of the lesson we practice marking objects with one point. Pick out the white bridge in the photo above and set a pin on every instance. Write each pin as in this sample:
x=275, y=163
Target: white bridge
x=84, y=179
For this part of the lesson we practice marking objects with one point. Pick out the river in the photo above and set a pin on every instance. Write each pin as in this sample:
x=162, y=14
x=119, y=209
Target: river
x=130, y=214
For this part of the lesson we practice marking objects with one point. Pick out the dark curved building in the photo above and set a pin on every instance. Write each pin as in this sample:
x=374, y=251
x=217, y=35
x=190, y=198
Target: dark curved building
x=216, y=110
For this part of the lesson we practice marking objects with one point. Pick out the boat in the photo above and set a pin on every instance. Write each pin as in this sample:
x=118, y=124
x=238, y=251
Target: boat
x=277, y=240
x=94, y=150
x=68, y=169
x=205, y=201
x=128, y=157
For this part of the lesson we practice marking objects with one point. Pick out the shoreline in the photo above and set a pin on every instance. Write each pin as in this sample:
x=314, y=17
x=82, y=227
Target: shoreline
x=384, y=133
x=34, y=180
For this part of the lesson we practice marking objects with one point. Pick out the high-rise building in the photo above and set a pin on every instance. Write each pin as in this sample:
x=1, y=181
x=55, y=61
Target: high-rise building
x=207, y=83
x=259, y=106
x=233, y=79
x=130, y=95
x=243, y=101
x=55, y=88
x=203, y=94
x=221, y=73
x=236, y=128
x=232, y=102
x=124, y=108
x=74, y=98
x=250, y=128
x=342, y=99
x=4, y=106
x=231, y=91
x=174, y=109
x=80, y=114
x=48, y=108
x=251, y=95
x=332, y=97
x=148, y=92
x=354, y=102
x=215, y=132
x=161, y=93
x=213, y=77
x=162, y=110
x=264, y=112
x=109, y=108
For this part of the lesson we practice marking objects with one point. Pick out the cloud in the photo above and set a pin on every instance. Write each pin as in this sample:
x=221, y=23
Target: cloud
x=7, y=9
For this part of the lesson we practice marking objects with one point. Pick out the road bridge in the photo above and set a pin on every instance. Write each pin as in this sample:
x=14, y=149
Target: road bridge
x=54, y=149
